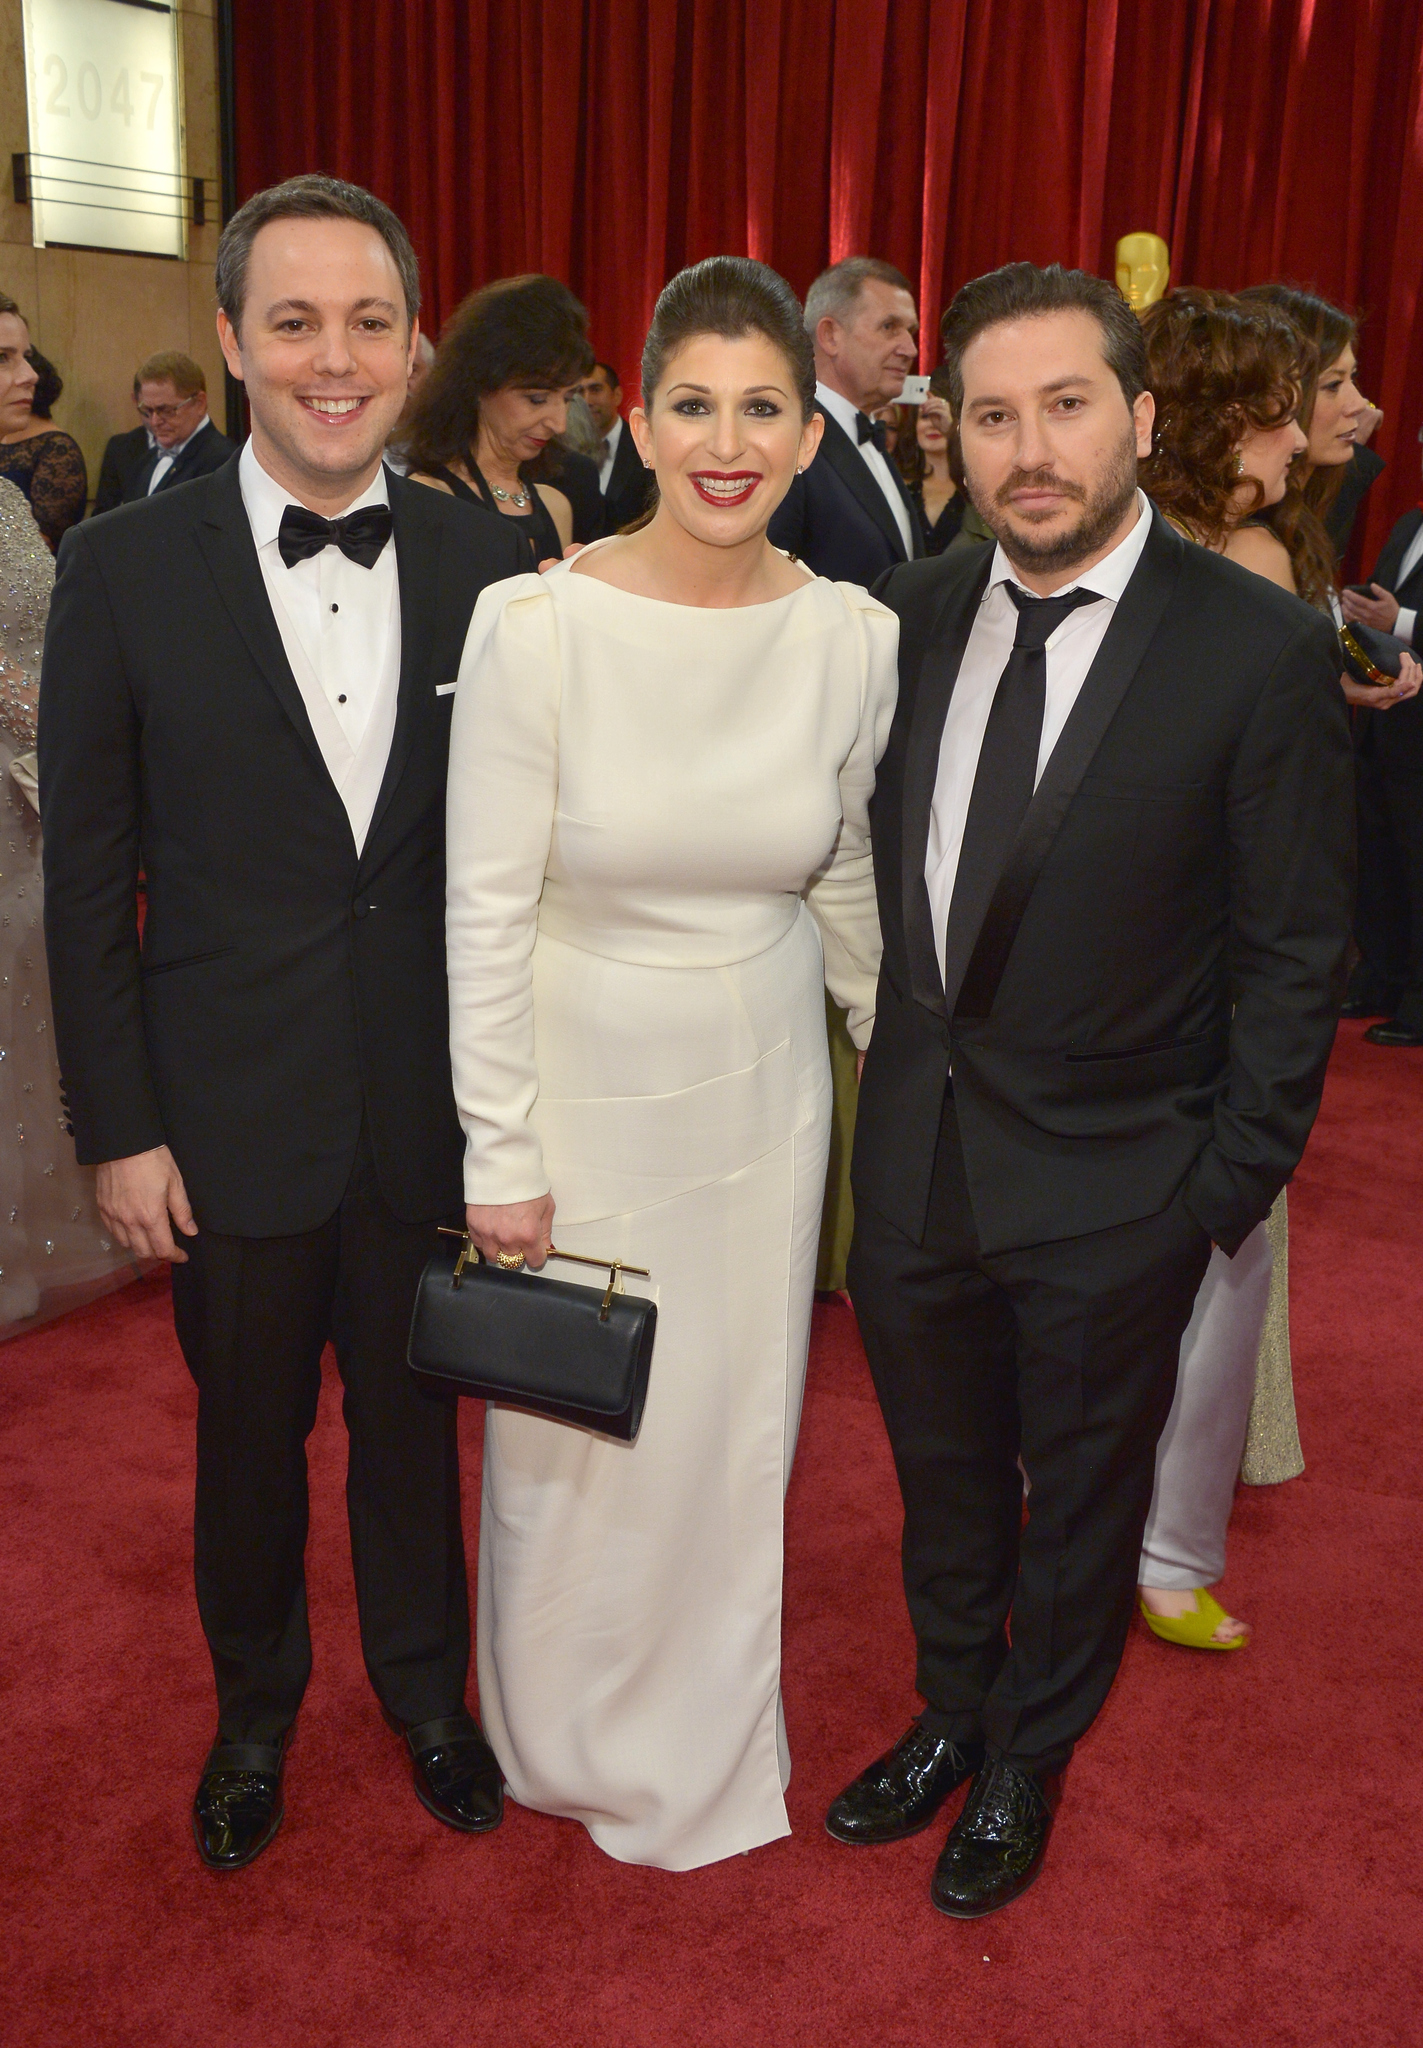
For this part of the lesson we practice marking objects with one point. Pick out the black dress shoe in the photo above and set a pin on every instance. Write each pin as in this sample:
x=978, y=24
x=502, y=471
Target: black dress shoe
x=996, y=1846
x=457, y=1775
x=900, y=1793
x=238, y=1807
x=1391, y=1032
x=1365, y=1006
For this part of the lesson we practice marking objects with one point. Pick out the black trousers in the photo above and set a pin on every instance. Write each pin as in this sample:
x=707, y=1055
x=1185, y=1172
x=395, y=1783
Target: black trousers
x=1388, y=921
x=253, y=1316
x=1065, y=1354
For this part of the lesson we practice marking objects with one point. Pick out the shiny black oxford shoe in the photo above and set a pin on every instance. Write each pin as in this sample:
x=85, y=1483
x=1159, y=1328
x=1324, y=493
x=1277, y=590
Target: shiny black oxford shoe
x=996, y=1846
x=900, y=1793
x=1391, y=1032
x=457, y=1776
x=238, y=1806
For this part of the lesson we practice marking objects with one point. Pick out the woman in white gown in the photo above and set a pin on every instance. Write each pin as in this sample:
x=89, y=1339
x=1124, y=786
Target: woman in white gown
x=661, y=760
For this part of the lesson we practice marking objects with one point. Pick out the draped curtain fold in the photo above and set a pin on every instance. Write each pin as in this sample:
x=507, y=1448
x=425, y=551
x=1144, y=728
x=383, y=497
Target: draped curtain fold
x=611, y=141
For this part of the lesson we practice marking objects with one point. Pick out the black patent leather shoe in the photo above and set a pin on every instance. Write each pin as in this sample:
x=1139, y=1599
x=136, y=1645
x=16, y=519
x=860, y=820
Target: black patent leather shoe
x=1391, y=1032
x=457, y=1776
x=238, y=1807
x=900, y=1793
x=996, y=1846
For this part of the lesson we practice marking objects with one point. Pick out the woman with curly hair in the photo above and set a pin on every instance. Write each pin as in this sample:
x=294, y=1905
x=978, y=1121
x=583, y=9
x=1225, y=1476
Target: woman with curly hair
x=487, y=420
x=1226, y=379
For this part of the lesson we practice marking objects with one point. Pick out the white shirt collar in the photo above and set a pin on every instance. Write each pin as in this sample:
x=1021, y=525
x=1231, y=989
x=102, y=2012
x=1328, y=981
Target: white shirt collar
x=266, y=499
x=840, y=410
x=1107, y=578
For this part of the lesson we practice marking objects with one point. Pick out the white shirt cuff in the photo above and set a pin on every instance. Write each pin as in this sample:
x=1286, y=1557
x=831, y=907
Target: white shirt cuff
x=1404, y=624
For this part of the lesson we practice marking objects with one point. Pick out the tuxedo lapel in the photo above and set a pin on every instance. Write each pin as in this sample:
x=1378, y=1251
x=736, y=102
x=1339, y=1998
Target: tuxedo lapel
x=1120, y=655
x=850, y=466
x=1395, y=548
x=224, y=534
x=419, y=538
x=943, y=653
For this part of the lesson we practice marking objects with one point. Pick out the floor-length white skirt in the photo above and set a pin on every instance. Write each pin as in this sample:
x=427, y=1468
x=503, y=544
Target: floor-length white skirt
x=630, y=1595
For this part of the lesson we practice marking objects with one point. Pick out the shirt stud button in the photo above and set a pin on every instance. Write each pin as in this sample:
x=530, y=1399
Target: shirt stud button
x=342, y=698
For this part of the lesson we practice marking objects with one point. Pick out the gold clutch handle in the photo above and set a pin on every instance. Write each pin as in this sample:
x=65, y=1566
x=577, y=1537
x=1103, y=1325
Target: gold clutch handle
x=616, y=1267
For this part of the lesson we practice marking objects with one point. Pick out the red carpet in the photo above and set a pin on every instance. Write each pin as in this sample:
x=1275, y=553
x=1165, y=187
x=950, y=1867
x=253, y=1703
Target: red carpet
x=1236, y=1859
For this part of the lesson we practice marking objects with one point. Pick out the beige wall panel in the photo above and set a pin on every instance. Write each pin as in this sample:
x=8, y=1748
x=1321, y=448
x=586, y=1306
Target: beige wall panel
x=202, y=334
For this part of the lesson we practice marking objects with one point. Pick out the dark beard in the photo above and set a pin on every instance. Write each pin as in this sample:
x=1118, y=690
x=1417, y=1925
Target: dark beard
x=1102, y=513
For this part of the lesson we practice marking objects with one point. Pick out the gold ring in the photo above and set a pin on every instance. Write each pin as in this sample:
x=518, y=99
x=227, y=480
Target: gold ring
x=511, y=1261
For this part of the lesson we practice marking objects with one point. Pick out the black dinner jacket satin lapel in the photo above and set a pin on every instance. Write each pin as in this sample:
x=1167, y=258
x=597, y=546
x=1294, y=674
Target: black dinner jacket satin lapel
x=1391, y=560
x=419, y=535
x=849, y=465
x=1134, y=620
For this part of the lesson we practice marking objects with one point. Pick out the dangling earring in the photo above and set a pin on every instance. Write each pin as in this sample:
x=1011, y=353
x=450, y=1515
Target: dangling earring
x=1239, y=463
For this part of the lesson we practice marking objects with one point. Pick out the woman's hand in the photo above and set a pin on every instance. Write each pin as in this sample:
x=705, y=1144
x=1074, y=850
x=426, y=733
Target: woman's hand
x=511, y=1227
x=1409, y=678
x=1379, y=611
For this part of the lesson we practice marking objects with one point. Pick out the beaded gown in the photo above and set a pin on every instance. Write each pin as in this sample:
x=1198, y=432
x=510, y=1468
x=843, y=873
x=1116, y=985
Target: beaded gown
x=54, y=1253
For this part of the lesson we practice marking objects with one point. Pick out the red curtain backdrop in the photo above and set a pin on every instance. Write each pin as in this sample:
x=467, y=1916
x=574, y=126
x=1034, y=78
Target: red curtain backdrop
x=611, y=141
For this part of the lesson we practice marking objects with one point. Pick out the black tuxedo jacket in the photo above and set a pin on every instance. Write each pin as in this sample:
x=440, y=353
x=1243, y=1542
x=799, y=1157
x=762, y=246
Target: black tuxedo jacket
x=128, y=464
x=629, y=485
x=287, y=988
x=1153, y=995
x=836, y=519
x=577, y=478
x=1395, y=737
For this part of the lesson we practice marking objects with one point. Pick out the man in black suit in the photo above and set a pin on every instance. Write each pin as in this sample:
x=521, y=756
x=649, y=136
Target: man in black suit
x=1388, y=732
x=1114, y=872
x=849, y=516
x=265, y=1086
x=623, y=477
x=176, y=441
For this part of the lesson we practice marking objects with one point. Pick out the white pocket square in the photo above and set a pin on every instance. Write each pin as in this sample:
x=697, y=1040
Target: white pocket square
x=446, y=689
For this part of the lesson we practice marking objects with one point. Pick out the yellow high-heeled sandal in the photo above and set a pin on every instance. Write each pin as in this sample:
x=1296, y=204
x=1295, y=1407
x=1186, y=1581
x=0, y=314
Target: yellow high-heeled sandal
x=1193, y=1631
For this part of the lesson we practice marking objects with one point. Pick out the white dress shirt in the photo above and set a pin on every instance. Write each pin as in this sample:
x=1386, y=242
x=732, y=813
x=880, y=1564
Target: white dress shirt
x=847, y=416
x=1070, y=651
x=340, y=626
x=605, y=467
x=168, y=456
x=1405, y=625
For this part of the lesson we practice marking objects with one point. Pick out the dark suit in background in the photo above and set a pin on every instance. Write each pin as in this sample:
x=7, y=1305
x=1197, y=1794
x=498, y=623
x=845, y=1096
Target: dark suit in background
x=1130, y=1070
x=837, y=520
x=629, y=485
x=1388, y=749
x=577, y=477
x=284, y=1030
x=129, y=461
x=1364, y=467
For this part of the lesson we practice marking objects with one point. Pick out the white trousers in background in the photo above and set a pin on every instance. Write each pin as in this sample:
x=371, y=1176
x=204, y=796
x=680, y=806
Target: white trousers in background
x=1198, y=1457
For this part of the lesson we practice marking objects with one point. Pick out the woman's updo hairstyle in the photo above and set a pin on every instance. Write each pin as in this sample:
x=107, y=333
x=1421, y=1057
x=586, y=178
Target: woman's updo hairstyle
x=1216, y=368
x=732, y=296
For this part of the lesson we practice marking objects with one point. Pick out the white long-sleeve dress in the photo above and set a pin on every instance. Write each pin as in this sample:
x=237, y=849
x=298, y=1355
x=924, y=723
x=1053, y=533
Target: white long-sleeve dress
x=658, y=856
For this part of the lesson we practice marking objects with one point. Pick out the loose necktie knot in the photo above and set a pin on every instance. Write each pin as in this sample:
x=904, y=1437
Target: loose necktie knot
x=1040, y=617
x=359, y=535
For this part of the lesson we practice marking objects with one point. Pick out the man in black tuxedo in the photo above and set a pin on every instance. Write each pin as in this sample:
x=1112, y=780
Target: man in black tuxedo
x=849, y=516
x=623, y=477
x=1387, y=983
x=1112, y=838
x=268, y=1076
x=176, y=440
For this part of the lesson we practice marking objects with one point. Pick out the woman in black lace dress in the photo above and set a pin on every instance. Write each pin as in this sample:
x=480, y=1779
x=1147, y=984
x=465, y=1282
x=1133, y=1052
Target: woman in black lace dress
x=42, y=461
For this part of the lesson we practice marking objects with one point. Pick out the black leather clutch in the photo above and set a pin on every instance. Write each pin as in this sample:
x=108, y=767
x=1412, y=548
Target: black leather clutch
x=1371, y=657
x=575, y=1354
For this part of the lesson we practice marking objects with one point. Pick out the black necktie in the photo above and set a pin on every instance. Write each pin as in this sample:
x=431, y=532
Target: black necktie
x=1006, y=775
x=872, y=430
x=360, y=535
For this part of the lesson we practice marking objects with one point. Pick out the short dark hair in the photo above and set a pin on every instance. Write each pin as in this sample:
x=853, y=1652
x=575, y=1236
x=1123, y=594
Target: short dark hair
x=610, y=373
x=314, y=196
x=731, y=296
x=49, y=385
x=1023, y=291
x=835, y=291
x=525, y=331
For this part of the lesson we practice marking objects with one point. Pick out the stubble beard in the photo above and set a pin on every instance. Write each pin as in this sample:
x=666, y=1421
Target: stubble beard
x=1103, y=511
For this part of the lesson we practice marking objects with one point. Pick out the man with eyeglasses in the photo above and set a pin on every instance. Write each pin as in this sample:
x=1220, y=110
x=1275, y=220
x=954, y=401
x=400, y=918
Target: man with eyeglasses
x=175, y=441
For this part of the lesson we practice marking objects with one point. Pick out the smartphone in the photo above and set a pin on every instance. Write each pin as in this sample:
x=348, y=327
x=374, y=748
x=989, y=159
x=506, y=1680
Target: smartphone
x=916, y=390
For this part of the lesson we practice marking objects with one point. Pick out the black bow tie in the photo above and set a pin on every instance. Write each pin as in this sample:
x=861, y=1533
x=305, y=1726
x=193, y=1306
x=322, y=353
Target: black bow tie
x=360, y=535
x=872, y=430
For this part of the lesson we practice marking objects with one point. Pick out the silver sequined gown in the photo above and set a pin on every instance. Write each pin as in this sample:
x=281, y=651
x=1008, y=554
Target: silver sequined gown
x=54, y=1253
